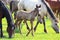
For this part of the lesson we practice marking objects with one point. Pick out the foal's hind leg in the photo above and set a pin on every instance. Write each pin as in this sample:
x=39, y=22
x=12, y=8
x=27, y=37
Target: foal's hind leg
x=20, y=26
x=44, y=25
x=16, y=23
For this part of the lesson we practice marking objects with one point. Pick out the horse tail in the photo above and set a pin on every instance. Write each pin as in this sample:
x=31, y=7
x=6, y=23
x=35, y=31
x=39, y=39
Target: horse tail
x=51, y=13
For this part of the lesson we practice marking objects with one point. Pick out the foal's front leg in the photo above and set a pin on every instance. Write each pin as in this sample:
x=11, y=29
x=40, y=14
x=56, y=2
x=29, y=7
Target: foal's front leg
x=27, y=25
x=31, y=29
x=27, y=28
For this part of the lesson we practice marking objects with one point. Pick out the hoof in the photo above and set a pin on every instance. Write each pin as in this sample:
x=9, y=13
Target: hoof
x=45, y=31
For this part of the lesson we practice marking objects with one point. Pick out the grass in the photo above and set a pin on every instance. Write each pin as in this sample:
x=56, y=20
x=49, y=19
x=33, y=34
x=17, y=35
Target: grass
x=38, y=35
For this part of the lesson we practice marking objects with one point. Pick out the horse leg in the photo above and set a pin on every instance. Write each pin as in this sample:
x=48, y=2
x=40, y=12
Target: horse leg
x=27, y=28
x=20, y=26
x=28, y=33
x=36, y=26
x=1, y=33
x=44, y=25
x=32, y=27
x=27, y=25
x=39, y=21
x=16, y=23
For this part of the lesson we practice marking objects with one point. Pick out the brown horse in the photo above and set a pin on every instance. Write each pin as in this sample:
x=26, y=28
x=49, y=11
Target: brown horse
x=4, y=12
x=55, y=5
x=20, y=15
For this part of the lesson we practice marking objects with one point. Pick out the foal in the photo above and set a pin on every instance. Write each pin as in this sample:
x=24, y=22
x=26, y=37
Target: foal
x=20, y=15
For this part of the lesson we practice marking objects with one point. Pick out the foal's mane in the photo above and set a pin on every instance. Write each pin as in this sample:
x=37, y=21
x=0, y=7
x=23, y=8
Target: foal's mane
x=35, y=10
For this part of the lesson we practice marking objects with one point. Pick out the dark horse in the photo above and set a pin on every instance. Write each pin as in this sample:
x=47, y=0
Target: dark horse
x=4, y=12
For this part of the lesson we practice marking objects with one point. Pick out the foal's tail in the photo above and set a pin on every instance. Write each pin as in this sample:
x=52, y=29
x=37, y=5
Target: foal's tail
x=51, y=13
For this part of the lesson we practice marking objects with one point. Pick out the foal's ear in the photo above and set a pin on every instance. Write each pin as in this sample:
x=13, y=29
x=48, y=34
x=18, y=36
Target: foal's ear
x=36, y=6
x=39, y=6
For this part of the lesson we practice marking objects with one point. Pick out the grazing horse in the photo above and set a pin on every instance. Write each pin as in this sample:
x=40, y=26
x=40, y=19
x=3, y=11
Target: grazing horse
x=54, y=24
x=4, y=12
x=29, y=5
x=21, y=15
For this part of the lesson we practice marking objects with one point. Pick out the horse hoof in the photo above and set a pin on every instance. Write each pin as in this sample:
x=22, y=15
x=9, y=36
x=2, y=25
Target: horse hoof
x=45, y=31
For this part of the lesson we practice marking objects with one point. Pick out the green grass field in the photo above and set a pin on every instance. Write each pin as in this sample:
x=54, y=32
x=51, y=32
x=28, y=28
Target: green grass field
x=38, y=35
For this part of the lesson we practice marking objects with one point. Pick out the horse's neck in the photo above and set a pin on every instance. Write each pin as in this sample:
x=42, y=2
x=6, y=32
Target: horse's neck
x=34, y=12
x=51, y=13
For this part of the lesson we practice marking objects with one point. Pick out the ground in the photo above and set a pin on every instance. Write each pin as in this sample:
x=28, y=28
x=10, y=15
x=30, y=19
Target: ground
x=38, y=35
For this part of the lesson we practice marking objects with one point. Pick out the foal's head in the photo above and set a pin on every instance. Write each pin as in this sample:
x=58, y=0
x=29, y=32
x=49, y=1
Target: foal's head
x=37, y=9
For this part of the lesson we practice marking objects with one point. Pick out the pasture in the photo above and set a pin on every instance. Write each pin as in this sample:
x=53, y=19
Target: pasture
x=38, y=35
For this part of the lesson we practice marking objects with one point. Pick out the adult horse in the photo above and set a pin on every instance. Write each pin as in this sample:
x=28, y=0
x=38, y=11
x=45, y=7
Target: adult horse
x=4, y=12
x=29, y=5
x=23, y=5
